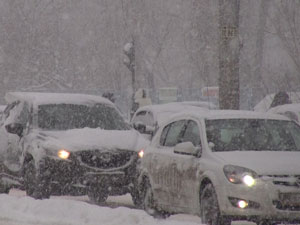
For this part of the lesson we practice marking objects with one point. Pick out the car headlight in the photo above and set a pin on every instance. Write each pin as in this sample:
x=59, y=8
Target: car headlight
x=141, y=153
x=63, y=154
x=238, y=175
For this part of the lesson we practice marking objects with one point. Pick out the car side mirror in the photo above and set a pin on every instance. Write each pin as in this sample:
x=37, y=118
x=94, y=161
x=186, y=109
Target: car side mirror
x=187, y=148
x=15, y=128
x=140, y=127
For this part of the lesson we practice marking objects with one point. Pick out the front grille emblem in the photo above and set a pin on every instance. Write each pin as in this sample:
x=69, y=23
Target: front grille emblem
x=106, y=157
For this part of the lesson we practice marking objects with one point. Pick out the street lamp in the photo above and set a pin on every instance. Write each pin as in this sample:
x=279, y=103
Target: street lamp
x=129, y=61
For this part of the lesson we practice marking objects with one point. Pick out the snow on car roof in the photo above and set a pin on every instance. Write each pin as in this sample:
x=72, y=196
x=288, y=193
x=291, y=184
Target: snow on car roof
x=168, y=107
x=231, y=114
x=50, y=98
x=161, y=112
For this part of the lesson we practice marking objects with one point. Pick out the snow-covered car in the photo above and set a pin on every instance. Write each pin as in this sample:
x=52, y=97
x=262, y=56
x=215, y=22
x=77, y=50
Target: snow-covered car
x=290, y=110
x=224, y=165
x=56, y=144
x=147, y=119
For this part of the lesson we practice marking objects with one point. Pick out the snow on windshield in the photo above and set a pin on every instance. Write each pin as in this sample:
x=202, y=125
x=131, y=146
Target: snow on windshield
x=72, y=116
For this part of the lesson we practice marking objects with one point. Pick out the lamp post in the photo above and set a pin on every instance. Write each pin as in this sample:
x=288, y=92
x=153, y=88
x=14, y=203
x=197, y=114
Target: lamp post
x=129, y=61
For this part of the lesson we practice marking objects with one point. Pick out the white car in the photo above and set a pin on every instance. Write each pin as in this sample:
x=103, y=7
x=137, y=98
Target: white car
x=224, y=165
x=148, y=118
x=290, y=110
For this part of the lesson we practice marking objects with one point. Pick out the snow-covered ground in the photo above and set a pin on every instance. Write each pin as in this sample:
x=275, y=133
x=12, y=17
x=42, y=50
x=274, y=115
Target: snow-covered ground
x=18, y=209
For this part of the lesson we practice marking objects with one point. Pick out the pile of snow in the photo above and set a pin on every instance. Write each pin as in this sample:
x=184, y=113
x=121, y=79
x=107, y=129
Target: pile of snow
x=23, y=210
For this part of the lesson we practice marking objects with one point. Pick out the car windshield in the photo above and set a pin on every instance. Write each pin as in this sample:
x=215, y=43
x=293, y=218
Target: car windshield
x=252, y=134
x=72, y=116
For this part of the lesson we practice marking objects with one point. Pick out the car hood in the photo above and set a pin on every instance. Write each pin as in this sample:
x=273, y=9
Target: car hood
x=88, y=139
x=265, y=162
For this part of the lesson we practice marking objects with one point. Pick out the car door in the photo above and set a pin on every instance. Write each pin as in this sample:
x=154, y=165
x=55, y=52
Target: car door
x=162, y=163
x=187, y=167
x=11, y=143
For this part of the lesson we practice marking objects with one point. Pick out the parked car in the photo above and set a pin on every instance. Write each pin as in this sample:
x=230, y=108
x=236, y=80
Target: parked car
x=290, y=110
x=224, y=165
x=57, y=144
x=147, y=119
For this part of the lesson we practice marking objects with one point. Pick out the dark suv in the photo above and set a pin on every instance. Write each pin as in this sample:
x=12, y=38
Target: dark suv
x=75, y=144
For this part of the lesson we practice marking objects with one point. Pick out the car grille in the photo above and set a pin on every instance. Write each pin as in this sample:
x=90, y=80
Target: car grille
x=106, y=159
x=287, y=201
x=286, y=180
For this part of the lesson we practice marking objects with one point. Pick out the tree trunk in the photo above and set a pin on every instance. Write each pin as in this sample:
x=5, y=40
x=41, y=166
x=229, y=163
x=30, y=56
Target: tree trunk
x=229, y=52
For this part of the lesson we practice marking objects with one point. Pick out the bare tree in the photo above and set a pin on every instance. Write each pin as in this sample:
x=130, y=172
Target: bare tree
x=286, y=23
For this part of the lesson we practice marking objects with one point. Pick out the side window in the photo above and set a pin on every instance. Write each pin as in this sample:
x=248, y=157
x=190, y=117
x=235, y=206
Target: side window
x=192, y=133
x=164, y=134
x=175, y=131
x=140, y=116
x=150, y=119
x=8, y=109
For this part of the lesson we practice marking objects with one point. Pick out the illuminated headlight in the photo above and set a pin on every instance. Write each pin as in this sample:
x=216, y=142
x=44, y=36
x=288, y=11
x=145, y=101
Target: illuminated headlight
x=63, y=154
x=238, y=175
x=141, y=153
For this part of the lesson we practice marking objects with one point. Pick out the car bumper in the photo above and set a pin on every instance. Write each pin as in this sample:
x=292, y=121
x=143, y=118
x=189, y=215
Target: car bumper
x=265, y=201
x=71, y=177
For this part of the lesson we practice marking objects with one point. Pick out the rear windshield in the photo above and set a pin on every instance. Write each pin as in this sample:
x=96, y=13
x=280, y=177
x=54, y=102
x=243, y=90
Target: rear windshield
x=71, y=116
x=253, y=134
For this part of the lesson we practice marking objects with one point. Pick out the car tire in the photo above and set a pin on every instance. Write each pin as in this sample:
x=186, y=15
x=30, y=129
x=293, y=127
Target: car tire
x=136, y=198
x=34, y=185
x=149, y=204
x=97, y=195
x=209, y=207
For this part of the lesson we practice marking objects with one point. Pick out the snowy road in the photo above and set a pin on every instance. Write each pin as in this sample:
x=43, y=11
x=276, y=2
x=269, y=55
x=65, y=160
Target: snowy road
x=18, y=209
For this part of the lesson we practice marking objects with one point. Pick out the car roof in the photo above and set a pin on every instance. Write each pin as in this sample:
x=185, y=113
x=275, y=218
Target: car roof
x=167, y=107
x=38, y=98
x=161, y=112
x=230, y=114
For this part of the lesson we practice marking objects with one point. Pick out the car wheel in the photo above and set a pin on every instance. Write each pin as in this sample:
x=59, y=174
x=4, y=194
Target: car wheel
x=209, y=207
x=35, y=186
x=97, y=195
x=136, y=197
x=149, y=203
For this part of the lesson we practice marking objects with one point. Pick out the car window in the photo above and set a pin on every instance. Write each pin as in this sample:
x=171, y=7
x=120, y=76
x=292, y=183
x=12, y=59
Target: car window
x=139, y=116
x=17, y=112
x=253, y=135
x=192, y=133
x=8, y=109
x=144, y=117
x=174, y=133
x=164, y=134
x=72, y=116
